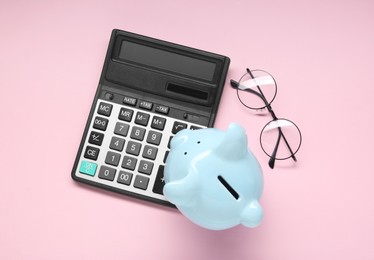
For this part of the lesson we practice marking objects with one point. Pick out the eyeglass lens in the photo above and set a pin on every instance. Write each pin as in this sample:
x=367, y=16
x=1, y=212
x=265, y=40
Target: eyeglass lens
x=280, y=139
x=257, y=92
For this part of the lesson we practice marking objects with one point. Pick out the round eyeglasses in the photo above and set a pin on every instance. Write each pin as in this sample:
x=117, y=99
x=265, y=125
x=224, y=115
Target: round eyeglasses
x=280, y=139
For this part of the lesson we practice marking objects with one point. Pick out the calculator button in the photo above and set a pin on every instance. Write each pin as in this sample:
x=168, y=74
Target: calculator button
x=104, y=109
x=178, y=126
x=193, y=127
x=171, y=137
x=107, y=173
x=129, y=162
x=88, y=168
x=129, y=101
x=125, y=114
x=162, y=109
x=150, y=152
x=141, y=182
x=142, y=118
x=158, y=123
x=96, y=138
x=124, y=177
x=159, y=182
x=112, y=158
x=109, y=96
x=91, y=153
x=117, y=143
x=166, y=155
x=145, y=105
x=137, y=133
x=100, y=123
x=154, y=137
x=121, y=129
x=145, y=167
x=133, y=148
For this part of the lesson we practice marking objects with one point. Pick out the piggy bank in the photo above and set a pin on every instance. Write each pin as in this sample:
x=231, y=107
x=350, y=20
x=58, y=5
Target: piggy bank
x=213, y=178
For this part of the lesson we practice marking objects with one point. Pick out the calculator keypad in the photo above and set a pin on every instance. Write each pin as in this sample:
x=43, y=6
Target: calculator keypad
x=127, y=145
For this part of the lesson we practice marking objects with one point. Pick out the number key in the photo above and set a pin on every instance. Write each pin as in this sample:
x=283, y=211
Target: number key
x=121, y=129
x=133, y=148
x=107, y=173
x=137, y=133
x=129, y=162
x=150, y=152
x=154, y=137
x=124, y=177
x=112, y=158
x=117, y=143
x=145, y=167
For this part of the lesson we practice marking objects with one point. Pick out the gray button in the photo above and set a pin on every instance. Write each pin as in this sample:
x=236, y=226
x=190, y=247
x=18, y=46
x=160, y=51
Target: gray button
x=158, y=123
x=154, y=137
x=121, y=129
x=141, y=182
x=124, y=177
x=150, y=152
x=141, y=118
x=162, y=109
x=137, y=133
x=145, y=105
x=145, y=167
x=117, y=143
x=91, y=153
x=100, y=123
x=133, y=148
x=125, y=114
x=107, y=173
x=104, y=109
x=129, y=162
x=112, y=158
x=129, y=100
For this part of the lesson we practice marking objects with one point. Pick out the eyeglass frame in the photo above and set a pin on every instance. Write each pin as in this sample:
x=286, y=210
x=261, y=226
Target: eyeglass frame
x=234, y=84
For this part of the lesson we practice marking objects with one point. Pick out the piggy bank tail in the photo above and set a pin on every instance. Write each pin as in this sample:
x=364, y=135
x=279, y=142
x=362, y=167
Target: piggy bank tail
x=252, y=214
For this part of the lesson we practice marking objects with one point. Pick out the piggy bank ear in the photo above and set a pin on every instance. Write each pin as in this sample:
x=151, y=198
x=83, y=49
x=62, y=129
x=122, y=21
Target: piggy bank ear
x=180, y=138
x=234, y=144
x=252, y=214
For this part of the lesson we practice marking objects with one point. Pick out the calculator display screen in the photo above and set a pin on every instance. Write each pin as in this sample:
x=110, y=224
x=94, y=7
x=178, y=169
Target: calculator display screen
x=167, y=60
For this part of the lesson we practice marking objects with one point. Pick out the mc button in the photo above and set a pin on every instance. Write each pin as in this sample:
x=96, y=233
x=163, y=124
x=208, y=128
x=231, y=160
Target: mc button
x=104, y=109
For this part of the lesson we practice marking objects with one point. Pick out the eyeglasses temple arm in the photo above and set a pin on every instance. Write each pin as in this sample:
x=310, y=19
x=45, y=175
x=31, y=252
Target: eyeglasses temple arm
x=273, y=155
x=235, y=84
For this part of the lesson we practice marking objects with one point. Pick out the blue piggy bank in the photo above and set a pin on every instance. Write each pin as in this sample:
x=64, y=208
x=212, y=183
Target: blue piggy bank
x=213, y=178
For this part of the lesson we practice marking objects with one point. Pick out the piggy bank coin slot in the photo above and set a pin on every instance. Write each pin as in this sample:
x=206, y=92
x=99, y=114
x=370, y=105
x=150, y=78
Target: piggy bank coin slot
x=228, y=187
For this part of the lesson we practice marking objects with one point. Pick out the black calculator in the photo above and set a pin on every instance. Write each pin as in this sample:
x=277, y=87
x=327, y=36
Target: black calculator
x=149, y=90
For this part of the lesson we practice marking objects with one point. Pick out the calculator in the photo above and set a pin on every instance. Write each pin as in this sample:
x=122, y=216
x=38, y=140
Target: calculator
x=148, y=91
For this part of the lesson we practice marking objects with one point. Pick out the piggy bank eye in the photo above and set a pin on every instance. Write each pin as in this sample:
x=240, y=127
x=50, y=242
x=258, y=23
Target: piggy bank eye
x=198, y=142
x=185, y=153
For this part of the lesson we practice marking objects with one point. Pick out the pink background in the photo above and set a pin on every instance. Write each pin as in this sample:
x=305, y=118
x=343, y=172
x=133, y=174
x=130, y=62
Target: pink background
x=320, y=52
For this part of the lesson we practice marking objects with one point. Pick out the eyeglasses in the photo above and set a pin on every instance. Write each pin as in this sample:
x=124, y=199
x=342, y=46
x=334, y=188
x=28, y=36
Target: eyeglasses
x=280, y=139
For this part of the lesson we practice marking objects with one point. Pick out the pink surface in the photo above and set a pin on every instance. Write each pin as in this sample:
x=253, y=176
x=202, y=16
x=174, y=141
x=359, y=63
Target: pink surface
x=320, y=52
